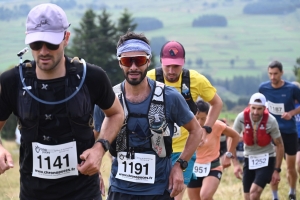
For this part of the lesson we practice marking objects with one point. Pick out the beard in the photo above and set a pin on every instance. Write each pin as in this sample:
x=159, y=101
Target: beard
x=135, y=81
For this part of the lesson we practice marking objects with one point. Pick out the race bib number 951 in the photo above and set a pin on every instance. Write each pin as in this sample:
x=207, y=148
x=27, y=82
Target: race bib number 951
x=141, y=169
x=54, y=161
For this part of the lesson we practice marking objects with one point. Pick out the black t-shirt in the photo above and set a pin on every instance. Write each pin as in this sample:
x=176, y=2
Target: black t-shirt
x=101, y=93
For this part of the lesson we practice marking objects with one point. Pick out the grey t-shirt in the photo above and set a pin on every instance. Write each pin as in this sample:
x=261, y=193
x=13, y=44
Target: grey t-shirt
x=272, y=129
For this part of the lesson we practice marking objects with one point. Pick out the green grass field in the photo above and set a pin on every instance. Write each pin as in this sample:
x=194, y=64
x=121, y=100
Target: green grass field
x=230, y=188
x=259, y=38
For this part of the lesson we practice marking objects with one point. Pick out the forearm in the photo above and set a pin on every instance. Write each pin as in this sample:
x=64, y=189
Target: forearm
x=233, y=144
x=111, y=126
x=191, y=144
x=279, y=155
x=295, y=111
x=213, y=114
x=2, y=123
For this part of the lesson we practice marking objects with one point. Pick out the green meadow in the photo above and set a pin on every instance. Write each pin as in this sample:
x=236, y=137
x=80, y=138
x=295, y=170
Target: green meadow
x=252, y=41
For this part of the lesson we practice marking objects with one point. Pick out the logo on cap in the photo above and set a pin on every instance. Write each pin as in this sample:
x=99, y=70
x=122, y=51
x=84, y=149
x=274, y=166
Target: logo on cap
x=43, y=22
x=173, y=52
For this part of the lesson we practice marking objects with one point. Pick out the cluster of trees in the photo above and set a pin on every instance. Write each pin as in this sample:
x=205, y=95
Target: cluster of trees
x=7, y=14
x=268, y=7
x=210, y=21
x=96, y=38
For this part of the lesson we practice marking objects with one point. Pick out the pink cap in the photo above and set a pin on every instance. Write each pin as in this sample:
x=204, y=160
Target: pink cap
x=172, y=53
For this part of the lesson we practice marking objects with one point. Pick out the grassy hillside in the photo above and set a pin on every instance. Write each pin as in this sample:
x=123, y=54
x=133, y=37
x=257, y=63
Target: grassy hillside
x=247, y=39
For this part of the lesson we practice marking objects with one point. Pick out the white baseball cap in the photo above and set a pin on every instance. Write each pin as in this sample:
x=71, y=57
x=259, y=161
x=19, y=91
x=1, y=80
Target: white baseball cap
x=46, y=22
x=258, y=99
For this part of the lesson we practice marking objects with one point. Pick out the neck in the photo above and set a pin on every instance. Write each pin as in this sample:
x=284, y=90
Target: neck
x=279, y=84
x=137, y=93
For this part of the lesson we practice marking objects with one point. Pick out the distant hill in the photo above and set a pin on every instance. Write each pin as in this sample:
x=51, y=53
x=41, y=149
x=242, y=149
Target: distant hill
x=244, y=47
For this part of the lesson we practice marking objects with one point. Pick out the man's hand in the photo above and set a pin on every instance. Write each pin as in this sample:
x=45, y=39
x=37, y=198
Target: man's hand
x=176, y=180
x=91, y=160
x=6, y=161
x=286, y=116
x=275, y=177
x=238, y=172
x=226, y=162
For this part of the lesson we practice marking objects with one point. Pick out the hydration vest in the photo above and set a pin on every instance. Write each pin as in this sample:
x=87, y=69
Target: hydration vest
x=159, y=139
x=185, y=86
x=79, y=110
x=263, y=138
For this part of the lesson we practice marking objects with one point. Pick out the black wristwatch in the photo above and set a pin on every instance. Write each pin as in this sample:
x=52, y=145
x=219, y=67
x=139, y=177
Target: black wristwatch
x=207, y=129
x=105, y=144
x=277, y=169
x=183, y=164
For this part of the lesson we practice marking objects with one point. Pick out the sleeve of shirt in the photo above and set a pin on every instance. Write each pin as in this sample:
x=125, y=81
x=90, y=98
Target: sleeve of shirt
x=202, y=85
x=177, y=108
x=98, y=118
x=238, y=124
x=274, y=128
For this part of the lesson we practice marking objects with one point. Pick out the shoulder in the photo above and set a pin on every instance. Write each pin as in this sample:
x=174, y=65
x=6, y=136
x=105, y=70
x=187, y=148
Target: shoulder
x=240, y=116
x=151, y=74
x=195, y=74
x=271, y=119
x=265, y=84
x=10, y=77
x=219, y=124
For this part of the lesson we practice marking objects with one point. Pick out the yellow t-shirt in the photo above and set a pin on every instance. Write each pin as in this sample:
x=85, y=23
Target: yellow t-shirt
x=199, y=87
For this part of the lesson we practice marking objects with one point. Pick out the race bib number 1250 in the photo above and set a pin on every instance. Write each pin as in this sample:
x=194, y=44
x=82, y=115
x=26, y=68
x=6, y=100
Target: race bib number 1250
x=54, y=161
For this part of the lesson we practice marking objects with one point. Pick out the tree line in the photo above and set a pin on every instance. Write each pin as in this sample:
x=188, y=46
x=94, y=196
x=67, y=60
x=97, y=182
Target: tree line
x=95, y=40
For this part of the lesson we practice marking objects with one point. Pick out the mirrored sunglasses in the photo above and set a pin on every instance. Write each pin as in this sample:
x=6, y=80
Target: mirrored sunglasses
x=38, y=45
x=139, y=60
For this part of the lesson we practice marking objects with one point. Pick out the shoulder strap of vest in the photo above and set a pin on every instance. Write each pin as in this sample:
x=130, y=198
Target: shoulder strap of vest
x=159, y=76
x=185, y=79
x=265, y=117
x=247, y=117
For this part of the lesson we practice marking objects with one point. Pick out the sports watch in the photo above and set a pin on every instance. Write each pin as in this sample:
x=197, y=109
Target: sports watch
x=183, y=164
x=229, y=154
x=208, y=129
x=105, y=144
x=277, y=169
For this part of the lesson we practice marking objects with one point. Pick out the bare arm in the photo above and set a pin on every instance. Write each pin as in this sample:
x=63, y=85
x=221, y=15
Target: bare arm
x=91, y=158
x=279, y=151
x=193, y=140
x=234, y=138
x=290, y=114
x=216, y=105
x=6, y=161
x=279, y=156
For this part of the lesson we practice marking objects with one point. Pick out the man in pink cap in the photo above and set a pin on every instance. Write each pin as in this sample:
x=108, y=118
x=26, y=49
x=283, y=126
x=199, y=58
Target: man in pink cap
x=191, y=85
x=53, y=98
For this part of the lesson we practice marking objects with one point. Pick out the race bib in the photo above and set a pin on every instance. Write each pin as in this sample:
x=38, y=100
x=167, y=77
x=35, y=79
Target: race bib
x=258, y=161
x=141, y=169
x=275, y=108
x=201, y=170
x=177, y=132
x=54, y=161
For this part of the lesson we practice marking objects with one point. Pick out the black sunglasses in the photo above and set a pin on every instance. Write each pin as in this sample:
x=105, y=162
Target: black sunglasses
x=38, y=45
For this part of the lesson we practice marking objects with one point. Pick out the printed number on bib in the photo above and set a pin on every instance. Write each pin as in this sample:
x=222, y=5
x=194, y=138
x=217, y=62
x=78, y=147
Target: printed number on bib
x=54, y=161
x=258, y=161
x=177, y=132
x=201, y=170
x=275, y=108
x=141, y=169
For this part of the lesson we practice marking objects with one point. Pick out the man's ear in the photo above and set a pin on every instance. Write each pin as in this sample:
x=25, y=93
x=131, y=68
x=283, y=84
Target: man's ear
x=67, y=37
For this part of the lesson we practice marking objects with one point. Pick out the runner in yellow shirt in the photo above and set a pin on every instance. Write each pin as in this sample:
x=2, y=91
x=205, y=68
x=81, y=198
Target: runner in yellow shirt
x=192, y=85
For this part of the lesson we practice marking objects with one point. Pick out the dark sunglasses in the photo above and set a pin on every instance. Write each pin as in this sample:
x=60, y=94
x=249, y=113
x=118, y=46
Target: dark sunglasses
x=139, y=60
x=38, y=45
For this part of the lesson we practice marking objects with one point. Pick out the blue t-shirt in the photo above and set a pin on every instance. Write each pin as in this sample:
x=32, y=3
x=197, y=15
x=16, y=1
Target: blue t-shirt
x=177, y=111
x=287, y=94
x=297, y=117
